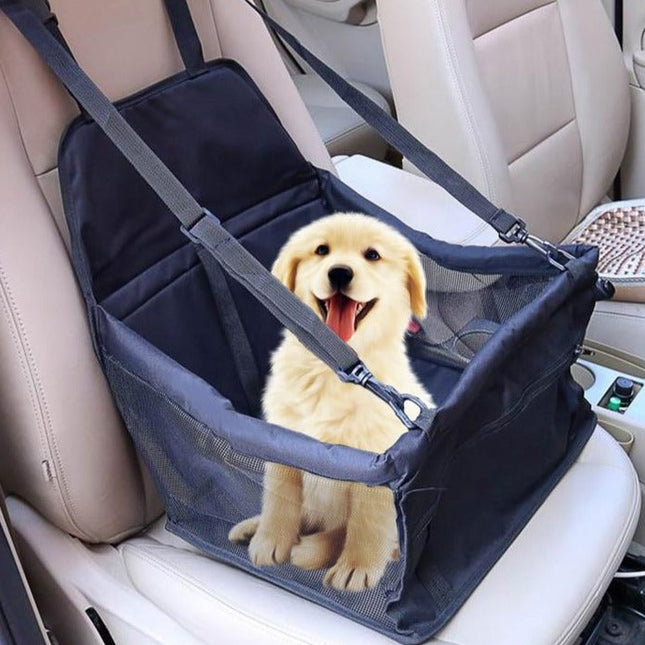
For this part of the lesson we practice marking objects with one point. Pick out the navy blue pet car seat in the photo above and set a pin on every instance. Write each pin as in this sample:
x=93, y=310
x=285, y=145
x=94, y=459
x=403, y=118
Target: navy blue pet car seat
x=184, y=320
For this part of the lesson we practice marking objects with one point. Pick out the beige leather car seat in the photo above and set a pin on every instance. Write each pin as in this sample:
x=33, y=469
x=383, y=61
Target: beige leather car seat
x=529, y=100
x=341, y=129
x=88, y=522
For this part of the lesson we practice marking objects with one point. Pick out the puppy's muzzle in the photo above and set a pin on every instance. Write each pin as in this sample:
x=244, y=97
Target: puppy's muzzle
x=340, y=276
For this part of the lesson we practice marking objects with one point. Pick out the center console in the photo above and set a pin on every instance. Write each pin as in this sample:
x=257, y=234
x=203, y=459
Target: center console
x=618, y=398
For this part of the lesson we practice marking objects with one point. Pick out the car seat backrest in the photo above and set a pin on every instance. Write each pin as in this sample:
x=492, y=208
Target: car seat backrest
x=528, y=99
x=62, y=446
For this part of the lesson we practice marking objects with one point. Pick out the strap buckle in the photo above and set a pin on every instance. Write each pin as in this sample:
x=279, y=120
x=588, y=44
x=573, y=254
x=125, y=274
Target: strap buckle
x=519, y=234
x=360, y=375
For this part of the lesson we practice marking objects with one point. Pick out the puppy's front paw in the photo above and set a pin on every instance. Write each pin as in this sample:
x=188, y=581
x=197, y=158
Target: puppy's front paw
x=243, y=531
x=350, y=575
x=270, y=547
x=318, y=550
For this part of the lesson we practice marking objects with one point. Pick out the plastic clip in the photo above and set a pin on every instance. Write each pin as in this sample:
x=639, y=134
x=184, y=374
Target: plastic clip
x=517, y=234
x=360, y=375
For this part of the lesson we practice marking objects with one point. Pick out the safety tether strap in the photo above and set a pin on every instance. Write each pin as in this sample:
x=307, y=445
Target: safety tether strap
x=246, y=367
x=201, y=226
x=186, y=36
x=238, y=341
x=511, y=229
x=396, y=135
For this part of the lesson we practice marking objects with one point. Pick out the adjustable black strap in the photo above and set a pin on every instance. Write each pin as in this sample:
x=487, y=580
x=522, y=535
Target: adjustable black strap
x=186, y=36
x=43, y=10
x=196, y=221
x=238, y=341
x=201, y=226
x=511, y=229
x=165, y=184
x=289, y=310
x=401, y=139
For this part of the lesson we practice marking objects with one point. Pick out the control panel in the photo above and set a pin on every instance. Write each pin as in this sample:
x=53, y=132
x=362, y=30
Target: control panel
x=611, y=392
x=621, y=394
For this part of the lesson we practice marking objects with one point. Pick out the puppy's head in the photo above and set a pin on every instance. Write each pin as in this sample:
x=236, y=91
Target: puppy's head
x=362, y=277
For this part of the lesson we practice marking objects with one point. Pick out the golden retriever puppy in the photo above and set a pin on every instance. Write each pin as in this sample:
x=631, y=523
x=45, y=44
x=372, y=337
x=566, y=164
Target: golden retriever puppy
x=364, y=280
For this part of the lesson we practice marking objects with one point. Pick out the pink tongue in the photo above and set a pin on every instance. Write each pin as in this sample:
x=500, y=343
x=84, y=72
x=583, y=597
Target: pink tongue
x=341, y=315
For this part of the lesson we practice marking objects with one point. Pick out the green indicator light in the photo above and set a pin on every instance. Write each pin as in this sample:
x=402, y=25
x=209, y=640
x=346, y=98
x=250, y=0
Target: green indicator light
x=614, y=404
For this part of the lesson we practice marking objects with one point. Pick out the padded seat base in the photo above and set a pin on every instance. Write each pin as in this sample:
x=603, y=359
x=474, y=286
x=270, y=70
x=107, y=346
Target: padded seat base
x=157, y=588
x=618, y=230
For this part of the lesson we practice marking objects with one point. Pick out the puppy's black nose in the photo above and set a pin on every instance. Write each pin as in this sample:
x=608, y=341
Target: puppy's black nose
x=340, y=276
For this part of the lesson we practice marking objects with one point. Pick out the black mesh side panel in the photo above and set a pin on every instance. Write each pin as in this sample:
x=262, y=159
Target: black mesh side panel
x=466, y=309
x=208, y=488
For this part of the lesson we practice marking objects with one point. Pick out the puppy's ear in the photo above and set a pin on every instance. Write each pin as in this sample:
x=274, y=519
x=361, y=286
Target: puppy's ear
x=416, y=285
x=285, y=267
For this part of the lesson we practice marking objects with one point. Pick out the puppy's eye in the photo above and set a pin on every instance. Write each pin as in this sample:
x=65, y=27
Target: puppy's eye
x=372, y=255
x=323, y=249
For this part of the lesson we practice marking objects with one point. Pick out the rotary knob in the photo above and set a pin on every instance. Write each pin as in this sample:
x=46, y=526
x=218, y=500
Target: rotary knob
x=624, y=389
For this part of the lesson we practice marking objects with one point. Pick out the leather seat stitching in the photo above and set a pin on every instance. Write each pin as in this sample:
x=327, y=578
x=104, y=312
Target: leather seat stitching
x=477, y=231
x=579, y=215
x=8, y=309
x=212, y=13
x=513, y=18
x=617, y=314
x=38, y=399
x=349, y=133
x=462, y=96
x=537, y=144
x=15, y=116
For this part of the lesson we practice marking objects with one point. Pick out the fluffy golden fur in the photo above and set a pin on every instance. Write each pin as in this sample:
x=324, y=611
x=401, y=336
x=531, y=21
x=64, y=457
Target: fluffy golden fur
x=313, y=522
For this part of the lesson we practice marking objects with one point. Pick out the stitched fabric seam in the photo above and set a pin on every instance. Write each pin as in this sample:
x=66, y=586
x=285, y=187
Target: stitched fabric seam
x=506, y=22
x=15, y=116
x=537, y=144
x=578, y=217
x=467, y=107
x=39, y=403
